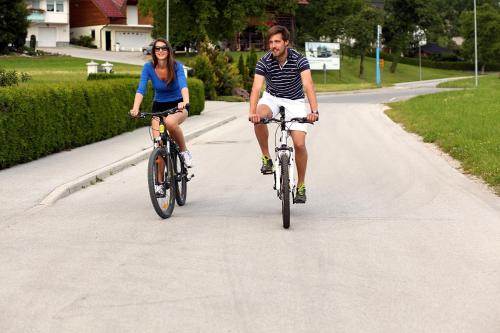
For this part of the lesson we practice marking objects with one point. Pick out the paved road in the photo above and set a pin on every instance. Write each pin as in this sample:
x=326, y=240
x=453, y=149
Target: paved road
x=393, y=239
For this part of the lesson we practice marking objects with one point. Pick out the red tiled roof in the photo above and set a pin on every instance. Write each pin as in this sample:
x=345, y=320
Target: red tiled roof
x=109, y=8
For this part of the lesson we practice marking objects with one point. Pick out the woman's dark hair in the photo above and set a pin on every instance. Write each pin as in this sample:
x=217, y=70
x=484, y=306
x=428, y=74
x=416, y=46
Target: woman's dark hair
x=170, y=59
x=278, y=29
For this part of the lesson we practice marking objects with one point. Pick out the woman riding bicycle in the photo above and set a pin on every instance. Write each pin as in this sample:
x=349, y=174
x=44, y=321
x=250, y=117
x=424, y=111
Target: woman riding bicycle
x=170, y=87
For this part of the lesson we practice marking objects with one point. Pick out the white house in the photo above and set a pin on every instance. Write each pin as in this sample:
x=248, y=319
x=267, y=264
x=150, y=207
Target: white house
x=49, y=22
x=113, y=24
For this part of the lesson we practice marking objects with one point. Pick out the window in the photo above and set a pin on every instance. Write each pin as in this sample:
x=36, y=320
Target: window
x=55, y=6
x=35, y=4
x=92, y=33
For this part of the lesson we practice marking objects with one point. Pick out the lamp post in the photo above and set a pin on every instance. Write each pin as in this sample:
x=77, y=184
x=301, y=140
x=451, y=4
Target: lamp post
x=475, y=45
x=168, y=17
x=377, y=56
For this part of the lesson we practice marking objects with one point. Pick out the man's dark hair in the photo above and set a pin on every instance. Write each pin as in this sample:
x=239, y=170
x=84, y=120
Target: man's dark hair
x=278, y=29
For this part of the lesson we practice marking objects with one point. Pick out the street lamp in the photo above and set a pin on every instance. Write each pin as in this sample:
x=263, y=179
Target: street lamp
x=168, y=16
x=475, y=44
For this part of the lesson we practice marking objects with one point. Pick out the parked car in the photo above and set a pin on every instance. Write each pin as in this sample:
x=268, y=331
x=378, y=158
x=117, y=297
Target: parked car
x=147, y=49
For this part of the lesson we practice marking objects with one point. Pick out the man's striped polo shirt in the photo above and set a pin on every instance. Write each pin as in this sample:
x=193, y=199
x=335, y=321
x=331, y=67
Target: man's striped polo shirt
x=284, y=82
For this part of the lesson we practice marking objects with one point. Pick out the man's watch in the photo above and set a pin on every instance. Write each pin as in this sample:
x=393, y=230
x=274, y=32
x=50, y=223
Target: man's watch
x=316, y=112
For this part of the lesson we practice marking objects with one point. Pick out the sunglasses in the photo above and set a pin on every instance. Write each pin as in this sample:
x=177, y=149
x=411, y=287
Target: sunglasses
x=161, y=48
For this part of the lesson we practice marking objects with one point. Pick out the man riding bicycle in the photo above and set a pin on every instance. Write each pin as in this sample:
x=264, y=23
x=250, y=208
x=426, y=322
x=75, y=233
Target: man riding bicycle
x=287, y=75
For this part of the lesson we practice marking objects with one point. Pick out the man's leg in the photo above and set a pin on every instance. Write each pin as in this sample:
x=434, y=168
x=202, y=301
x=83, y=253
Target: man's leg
x=261, y=131
x=299, y=143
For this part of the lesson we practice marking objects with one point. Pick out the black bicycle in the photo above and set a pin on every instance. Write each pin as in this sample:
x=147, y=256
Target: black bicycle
x=284, y=173
x=167, y=173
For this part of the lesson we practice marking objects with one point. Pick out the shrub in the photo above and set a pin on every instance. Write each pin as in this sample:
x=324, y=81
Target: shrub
x=86, y=41
x=204, y=70
x=214, y=69
x=111, y=76
x=39, y=120
x=196, y=96
x=11, y=78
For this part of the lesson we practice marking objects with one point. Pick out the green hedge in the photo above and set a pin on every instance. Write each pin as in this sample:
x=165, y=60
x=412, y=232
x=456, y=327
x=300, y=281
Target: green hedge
x=39, y=120
x=452, y=65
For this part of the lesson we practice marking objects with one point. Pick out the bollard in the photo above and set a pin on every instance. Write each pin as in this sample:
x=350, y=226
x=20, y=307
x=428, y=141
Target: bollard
x=108, y=68
x=92, y=67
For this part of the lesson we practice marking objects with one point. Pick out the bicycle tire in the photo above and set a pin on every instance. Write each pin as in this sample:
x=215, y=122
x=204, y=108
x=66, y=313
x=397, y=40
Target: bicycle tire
x=285, y=190
x=164, y=206
x=181, y=174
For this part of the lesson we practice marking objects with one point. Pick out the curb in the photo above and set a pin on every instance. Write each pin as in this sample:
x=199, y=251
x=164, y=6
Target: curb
x=98, y=175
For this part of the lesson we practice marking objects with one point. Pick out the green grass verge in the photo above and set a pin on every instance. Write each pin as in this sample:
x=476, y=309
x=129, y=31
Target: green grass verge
x=47, y=69
x=465, y=124
x=53, y=69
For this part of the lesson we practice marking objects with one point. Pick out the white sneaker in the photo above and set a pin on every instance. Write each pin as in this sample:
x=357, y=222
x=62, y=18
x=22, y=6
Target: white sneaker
x=188, y=158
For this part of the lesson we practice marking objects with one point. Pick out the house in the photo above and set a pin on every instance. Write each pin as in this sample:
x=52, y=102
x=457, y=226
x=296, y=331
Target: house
x=49, y=22
x=115, y=25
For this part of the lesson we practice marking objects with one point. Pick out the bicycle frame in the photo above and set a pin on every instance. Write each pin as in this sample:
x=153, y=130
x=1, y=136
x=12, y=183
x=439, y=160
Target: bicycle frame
x=284, y=148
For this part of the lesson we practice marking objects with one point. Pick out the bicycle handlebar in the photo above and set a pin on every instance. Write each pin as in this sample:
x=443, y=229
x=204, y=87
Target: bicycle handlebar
x=276, y=120
x=161, y=113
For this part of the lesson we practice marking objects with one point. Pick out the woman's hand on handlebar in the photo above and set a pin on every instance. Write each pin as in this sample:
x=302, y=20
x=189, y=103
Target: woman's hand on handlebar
x=134, y=113
x=182, y=105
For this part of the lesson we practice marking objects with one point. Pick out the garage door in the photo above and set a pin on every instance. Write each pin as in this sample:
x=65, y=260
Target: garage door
x=132, y=40
x=47, y=37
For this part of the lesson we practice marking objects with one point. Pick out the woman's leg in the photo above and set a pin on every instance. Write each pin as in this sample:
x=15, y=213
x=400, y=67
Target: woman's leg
x=172, y=122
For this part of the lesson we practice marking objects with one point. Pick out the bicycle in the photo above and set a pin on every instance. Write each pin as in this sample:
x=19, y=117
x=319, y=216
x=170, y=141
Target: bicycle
x=284, y=172
x=166, y=169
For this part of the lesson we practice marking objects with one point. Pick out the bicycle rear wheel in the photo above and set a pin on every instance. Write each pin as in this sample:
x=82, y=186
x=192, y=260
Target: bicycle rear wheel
x=161, y=177
x=285, y=190
x=181, y=174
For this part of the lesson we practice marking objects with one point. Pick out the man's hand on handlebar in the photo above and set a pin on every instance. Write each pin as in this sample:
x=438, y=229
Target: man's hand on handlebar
x=254, y=118
x=312, y=117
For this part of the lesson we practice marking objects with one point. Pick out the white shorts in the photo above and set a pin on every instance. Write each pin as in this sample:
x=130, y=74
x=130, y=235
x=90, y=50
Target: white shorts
x=293, y=108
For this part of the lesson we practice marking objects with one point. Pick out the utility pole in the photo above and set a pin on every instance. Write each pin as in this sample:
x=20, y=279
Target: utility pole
x=168, y=18
x=475, y=44
x=379, y=32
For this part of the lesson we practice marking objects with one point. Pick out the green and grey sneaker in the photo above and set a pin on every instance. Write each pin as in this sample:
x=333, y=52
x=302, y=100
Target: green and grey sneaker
x=300, y=195
x=267, y=165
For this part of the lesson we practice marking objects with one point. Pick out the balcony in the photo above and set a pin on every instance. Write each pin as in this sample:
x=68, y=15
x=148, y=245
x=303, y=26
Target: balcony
x=36, y=15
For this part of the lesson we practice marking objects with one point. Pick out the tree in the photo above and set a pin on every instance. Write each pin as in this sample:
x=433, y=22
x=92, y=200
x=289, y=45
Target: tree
x=216, y=19
x=405, y=17
x=13, y=24
x=362, y=27
x=326, y=17
x=488, y=34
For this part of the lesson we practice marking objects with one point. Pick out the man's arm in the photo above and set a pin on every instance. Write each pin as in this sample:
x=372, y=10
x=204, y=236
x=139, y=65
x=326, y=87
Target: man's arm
x=311, y=95
x=258, y=81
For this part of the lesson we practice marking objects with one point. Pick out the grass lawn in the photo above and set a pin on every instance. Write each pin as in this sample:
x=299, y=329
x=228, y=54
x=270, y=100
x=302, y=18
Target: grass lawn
x=50, y=69
x=465, y=124
x=62, y=68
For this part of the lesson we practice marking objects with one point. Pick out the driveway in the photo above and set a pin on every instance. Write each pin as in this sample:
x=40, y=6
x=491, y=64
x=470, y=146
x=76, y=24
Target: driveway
x=133, y=58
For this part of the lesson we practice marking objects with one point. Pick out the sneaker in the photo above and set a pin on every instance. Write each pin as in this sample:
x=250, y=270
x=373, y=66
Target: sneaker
x=267, y=165
x=188, y=158
x=300, y=195
x=160, y=191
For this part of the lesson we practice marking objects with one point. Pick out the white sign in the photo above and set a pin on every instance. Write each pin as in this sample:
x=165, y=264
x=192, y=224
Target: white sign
x=323, y=55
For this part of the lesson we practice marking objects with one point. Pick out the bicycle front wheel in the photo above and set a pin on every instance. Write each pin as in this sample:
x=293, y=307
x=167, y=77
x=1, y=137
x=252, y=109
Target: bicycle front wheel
x=285, y=190
x=161, y=182
x=181, y=175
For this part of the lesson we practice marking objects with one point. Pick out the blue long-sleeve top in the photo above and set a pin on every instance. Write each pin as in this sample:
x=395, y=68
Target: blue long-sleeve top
x=163, y=92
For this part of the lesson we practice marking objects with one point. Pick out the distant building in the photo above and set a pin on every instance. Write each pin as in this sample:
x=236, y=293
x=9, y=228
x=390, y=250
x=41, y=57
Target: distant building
x=113, y=24
x=49, y=22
